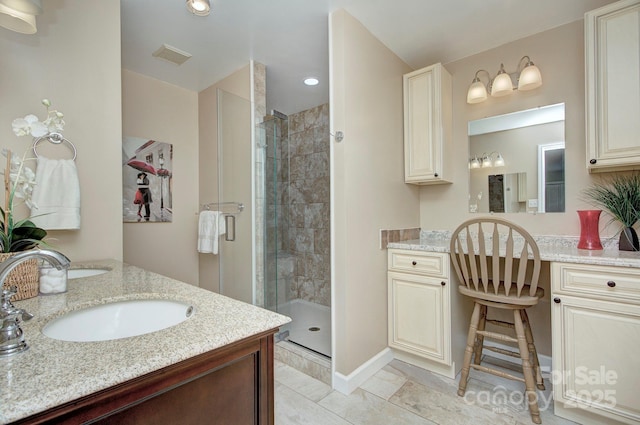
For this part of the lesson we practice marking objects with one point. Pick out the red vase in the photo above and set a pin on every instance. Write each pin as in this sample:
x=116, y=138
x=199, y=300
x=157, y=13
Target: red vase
x=589, y=233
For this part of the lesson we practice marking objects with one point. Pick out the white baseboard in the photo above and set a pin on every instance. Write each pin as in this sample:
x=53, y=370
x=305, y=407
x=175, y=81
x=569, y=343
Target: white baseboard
x=347, y=384
x=545, y=361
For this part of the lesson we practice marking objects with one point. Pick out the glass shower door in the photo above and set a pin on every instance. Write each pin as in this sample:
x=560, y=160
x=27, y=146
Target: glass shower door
x=278, y=266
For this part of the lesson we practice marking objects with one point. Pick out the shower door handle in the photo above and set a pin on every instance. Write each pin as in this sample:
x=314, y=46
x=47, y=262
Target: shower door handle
x=230, y=225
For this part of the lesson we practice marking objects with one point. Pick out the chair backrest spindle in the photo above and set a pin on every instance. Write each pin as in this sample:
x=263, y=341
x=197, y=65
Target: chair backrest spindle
x=482, y=271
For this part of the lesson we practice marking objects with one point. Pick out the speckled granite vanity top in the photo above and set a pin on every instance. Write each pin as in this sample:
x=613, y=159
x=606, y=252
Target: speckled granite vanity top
x=52, y=372
x=552, y=248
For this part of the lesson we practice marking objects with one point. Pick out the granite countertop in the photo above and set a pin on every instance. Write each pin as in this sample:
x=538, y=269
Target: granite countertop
x=552, y=248
x=53, y=372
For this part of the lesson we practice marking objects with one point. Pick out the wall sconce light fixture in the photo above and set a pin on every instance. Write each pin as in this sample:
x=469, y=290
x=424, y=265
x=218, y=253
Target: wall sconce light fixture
x=199, y=7
x=20, y=15
x=487, y=160
x=526, y=77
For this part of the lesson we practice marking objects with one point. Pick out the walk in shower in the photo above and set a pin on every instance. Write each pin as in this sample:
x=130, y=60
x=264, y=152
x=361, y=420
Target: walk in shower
x=294, y=162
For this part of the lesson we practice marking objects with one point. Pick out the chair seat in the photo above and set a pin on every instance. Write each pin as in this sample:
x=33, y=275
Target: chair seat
x=502, y=298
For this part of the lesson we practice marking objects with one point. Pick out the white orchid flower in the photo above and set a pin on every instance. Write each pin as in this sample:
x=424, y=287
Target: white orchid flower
x=29, y=125
x=39, y=129
x=22, y=177
x=54, y=122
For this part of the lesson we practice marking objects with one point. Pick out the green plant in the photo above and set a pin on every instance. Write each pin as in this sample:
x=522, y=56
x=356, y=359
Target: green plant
x=619, y=195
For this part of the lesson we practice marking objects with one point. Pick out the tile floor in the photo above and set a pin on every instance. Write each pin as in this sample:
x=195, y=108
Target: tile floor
x=402, y=394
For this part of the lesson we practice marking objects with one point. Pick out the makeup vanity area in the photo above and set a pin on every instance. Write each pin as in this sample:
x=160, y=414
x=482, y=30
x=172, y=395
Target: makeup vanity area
x=594, y=303
x=589, y=319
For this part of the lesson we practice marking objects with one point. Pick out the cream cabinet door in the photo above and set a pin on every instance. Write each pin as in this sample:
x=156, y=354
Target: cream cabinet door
x=595, y=357
x=419, y=317
x=427, y=125
x=612, y=42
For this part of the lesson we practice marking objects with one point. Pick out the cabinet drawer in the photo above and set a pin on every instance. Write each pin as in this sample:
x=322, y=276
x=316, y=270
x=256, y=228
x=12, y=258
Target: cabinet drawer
x=601, y=282
x=420, y=262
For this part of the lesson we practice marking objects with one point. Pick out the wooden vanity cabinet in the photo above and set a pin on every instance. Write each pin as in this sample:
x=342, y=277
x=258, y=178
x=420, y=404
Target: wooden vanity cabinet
x=425, y=318
x=428, y=125
x=612, y=51
x=595, y=319
x=230, y=385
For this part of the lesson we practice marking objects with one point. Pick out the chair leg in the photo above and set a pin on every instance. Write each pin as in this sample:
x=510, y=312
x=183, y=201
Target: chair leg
x=468, y=351
x=477, y=354
x=527, y=370
x=532, y=349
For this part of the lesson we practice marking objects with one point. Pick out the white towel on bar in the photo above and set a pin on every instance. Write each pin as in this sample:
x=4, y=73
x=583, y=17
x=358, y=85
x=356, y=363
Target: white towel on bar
x=211, y=226
x=56, y=194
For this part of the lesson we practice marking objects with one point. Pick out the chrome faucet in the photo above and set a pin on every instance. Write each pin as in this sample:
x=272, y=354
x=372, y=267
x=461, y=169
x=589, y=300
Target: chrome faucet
x=11, y=335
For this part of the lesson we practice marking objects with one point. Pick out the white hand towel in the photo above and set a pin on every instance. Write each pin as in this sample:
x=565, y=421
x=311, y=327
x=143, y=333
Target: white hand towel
x=56, y=194
x=211, y=226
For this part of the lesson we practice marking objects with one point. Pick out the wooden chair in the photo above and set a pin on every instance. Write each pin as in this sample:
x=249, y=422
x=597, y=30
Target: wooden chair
x=498, y=265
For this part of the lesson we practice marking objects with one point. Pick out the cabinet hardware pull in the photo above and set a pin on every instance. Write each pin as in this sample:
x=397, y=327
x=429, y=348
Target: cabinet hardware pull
x=443, y=283
x=611, y=284
x=556, y=300
x=593, y=161
x=435, y=174
x=414, y=263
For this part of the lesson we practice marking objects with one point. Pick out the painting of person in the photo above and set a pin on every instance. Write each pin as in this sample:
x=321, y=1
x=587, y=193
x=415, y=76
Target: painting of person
x=143, y=187
x=147, y=176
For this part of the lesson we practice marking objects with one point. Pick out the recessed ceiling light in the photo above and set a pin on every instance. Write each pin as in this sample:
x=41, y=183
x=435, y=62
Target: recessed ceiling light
x=199, y=7
x=311, y=81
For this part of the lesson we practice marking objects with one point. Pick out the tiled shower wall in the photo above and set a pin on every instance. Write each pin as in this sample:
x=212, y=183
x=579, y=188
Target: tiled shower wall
x=309, y=231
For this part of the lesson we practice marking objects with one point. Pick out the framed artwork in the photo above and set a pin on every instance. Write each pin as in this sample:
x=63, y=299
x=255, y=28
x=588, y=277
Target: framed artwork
x=147, y=179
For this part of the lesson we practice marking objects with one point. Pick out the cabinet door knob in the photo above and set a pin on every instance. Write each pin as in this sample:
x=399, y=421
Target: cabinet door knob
x=611, y=284
x=414, y=262
x=443, y=283
x=556, y=300
x=435, y=174
x=593, y=161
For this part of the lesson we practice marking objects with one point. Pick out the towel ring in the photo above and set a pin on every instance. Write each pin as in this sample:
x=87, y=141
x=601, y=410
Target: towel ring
x=56, y=139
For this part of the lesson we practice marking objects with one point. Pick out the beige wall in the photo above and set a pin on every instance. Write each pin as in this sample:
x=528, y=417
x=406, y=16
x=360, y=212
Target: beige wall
x=74, y=60
x=155, y=110
x=559, y=53
x=238, y=83
x=368, y=189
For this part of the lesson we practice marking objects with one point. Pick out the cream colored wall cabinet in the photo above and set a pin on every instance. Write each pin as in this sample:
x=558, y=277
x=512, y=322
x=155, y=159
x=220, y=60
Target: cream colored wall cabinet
x=612, y=42
x=596, y=336
x=428, y=125
x=422, y=330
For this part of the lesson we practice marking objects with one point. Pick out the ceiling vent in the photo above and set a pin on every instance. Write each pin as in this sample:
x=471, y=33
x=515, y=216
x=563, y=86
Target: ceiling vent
x=171, y=54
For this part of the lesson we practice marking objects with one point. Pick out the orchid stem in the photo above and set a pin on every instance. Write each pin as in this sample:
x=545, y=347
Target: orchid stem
x=7, y=193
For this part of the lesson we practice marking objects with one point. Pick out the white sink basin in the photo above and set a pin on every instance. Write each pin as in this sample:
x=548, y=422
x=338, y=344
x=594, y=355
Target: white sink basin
x=117, y=320
x=78, y=273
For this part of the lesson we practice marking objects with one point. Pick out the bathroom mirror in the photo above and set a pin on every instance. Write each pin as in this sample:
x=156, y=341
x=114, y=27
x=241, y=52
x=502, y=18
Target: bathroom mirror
x=516, y=162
